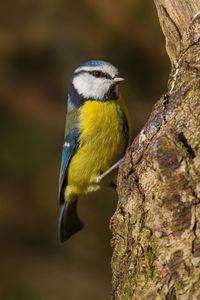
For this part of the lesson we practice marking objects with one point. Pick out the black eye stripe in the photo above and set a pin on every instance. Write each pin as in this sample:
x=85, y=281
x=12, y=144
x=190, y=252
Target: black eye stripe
x=100, y=74
x=94, y=73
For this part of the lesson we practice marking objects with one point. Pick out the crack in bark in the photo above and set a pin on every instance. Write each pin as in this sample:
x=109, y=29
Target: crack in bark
x=194, y=230
x=172, y=21
x=117, y=283
x=184, y=141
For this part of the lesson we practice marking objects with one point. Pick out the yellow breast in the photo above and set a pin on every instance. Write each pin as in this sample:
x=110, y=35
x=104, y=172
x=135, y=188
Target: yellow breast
x=101, y=127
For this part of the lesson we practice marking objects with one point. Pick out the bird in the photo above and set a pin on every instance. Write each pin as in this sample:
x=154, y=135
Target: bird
x=97, y=133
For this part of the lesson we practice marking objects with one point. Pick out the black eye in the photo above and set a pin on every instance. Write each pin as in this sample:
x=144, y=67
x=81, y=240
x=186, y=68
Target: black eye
x=97, y=73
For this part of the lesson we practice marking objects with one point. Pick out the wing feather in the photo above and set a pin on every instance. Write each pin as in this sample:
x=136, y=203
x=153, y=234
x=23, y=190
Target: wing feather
x=70, y=146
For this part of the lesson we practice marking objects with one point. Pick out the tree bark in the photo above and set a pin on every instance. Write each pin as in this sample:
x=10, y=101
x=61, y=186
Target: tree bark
x=156, y=226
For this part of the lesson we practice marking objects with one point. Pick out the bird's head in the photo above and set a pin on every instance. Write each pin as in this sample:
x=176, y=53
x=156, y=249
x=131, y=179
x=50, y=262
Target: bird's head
x=94, y=80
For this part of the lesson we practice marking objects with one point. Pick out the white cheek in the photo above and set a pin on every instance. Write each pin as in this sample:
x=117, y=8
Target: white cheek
x=90, y=87
x=100, y=88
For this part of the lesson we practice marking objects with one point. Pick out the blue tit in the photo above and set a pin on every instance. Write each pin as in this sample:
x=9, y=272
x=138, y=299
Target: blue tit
x=97, y=133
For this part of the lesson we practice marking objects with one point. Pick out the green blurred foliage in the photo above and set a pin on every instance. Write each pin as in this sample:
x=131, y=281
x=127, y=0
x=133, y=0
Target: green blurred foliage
x=41, y=43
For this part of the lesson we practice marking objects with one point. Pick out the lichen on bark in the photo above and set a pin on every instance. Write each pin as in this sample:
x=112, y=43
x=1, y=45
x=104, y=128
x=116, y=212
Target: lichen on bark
x=156, y=226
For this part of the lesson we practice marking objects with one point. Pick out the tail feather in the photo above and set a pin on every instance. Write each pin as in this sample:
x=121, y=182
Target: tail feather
x=69, y=222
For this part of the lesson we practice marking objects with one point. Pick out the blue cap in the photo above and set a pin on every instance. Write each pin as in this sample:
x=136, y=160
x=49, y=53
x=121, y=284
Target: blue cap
x=94, y=63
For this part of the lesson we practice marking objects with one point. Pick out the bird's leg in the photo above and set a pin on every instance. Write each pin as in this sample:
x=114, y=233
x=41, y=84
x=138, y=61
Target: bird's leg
x=115, y=166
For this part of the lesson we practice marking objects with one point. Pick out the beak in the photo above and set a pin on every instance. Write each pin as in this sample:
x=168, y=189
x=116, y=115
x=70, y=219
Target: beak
x=118, y=79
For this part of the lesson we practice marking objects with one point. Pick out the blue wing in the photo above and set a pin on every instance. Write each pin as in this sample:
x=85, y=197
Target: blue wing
x=70, y=146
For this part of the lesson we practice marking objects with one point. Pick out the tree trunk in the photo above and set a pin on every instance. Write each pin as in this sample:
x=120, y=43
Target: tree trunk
x=156, y=226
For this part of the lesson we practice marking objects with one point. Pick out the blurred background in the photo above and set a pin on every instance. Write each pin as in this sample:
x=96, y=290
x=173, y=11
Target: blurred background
x=41, y=43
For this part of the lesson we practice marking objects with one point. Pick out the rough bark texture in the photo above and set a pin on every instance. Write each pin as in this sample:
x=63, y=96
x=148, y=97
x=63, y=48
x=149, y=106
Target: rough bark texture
x=156, y=227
